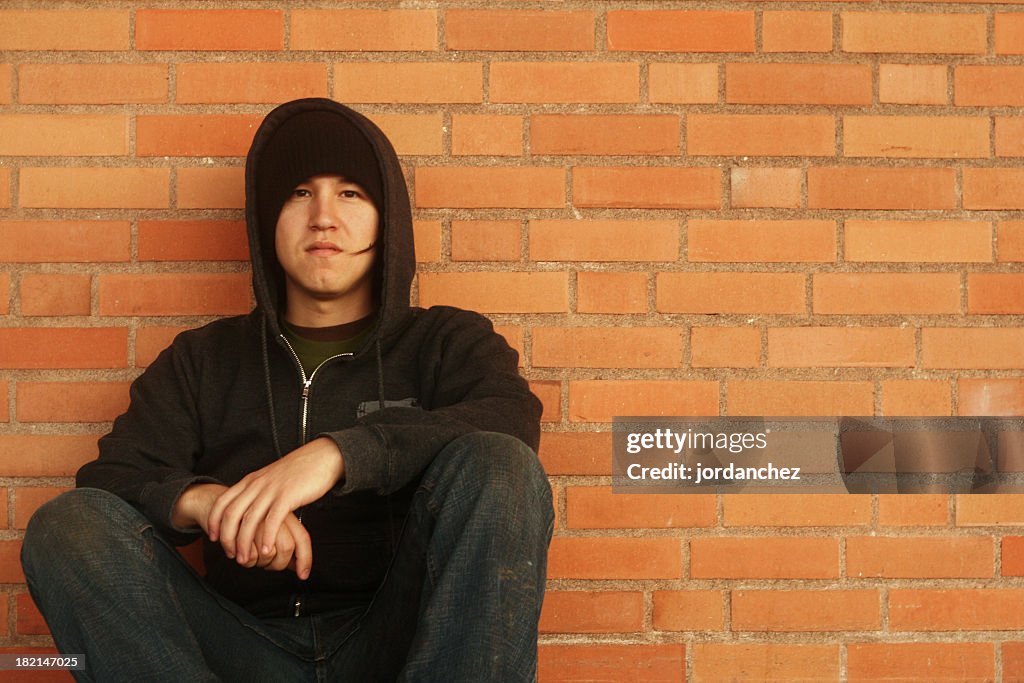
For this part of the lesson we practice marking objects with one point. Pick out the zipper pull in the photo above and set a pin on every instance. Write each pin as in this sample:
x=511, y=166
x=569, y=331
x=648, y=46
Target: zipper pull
x=305, y=389
x=298, y=605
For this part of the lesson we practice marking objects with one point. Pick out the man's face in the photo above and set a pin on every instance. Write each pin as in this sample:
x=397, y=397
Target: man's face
x=325, y=239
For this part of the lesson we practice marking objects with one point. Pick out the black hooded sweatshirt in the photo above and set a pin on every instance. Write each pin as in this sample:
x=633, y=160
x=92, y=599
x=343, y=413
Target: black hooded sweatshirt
x=229, y=398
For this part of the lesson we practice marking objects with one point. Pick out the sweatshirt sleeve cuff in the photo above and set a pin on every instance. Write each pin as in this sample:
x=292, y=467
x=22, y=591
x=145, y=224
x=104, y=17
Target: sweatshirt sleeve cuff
x=161, y=499
x=367, y=463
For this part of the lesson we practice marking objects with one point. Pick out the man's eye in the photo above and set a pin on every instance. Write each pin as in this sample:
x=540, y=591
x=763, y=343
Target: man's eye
x=349, y=194
x=300, y=192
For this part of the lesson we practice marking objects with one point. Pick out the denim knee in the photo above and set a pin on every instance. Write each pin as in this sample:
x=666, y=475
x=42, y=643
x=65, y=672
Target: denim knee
x=77, y=523
x=494, y=465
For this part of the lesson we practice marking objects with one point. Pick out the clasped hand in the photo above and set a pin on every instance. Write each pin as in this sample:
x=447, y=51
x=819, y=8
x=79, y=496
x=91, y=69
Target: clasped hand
x=254, y=521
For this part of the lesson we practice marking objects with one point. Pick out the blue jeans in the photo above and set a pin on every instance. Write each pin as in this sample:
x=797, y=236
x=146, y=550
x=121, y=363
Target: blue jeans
x=460, y=601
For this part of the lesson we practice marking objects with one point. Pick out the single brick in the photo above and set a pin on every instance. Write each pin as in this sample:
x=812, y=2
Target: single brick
x=604, y=134
x=918, y=241
x=781, y=293
x=410, y=82
x=519, y=30
x=71, y=401
x=983, y=609
x=497, y=292
x=881, y=188
x=603, y=240
x=993, y=188
x=725, y=347
x=56, y=294
x=680, y=31
x=662, y=663
x=806, y=610
x=92, y=83
x=5, y=299
x=796, y=31
x=174, y=294
x=903, y=557
x=760, y=241
x=734, y=557
x=1009, y=33
x=64, y=29
x=811, y=347
x=150, y=341
x=63, y=135
x=689, y=610
x=1009, y=136
x=487, y=135
x=756, y=188
x=550, y=395
x=983, y=348
x=171, y=29
x=912, y=84
x=921, y=661
x=45, y=455
x=485, y=240
x=988, y=86
x=800, y=398
x=656, y=188
x=255, y=82
x=63, y=347
x=607, y=292
x=564, y=82
x=990, y=397
x=81, y=241
x=760, y=135
x=882, y=293
x=917, y=510
x=1003, y=510
x=682, y=83
x=1013, y=556
x=841, y=84
x=808, y=510
x=607, y=347
x=30, y=619
x=914, y=32
x=600, y=400
x=28, y=499
x=614, y=558
x=764, y=662
x=427, y=240
x=490, y=187
x=916, y=397
x=95, y=188
x=916, y=136
x=995, y=293
x=596, y=507
x=576, y=453
x=216, y=135
x=6, y=83
x=363, y=30
x=592, y=612
x=413, y=134
x=198, y=240
x=211, y=188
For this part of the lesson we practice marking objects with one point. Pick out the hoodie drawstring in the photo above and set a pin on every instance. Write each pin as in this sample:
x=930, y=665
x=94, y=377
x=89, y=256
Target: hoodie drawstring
x=264, y=333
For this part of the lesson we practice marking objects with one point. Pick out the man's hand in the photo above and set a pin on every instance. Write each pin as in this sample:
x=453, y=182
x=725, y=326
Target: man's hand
x=249, y=517
x=292, y=548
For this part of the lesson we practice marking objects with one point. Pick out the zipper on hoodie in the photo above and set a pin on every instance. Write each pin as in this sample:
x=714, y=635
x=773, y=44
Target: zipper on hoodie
x=307, y=382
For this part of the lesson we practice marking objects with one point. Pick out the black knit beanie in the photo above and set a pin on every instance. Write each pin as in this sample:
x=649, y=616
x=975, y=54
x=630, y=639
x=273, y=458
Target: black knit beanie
x=308, y=144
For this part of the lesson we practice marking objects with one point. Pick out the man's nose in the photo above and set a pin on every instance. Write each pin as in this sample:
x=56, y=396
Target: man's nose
x=322, y=215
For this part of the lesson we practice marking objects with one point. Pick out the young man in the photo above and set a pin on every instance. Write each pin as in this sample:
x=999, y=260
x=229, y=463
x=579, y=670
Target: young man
x=363, y=472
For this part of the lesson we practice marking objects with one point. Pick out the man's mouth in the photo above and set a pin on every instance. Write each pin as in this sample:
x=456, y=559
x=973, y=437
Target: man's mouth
x=323, y=249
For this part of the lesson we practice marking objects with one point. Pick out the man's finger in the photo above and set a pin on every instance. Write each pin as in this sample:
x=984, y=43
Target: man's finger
x=303, y=547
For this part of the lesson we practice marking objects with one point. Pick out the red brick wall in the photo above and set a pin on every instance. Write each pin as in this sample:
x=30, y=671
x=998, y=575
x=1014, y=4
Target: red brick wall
x=713, y=208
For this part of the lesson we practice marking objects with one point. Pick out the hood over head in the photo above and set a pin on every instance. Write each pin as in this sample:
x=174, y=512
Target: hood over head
x=315, y=136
